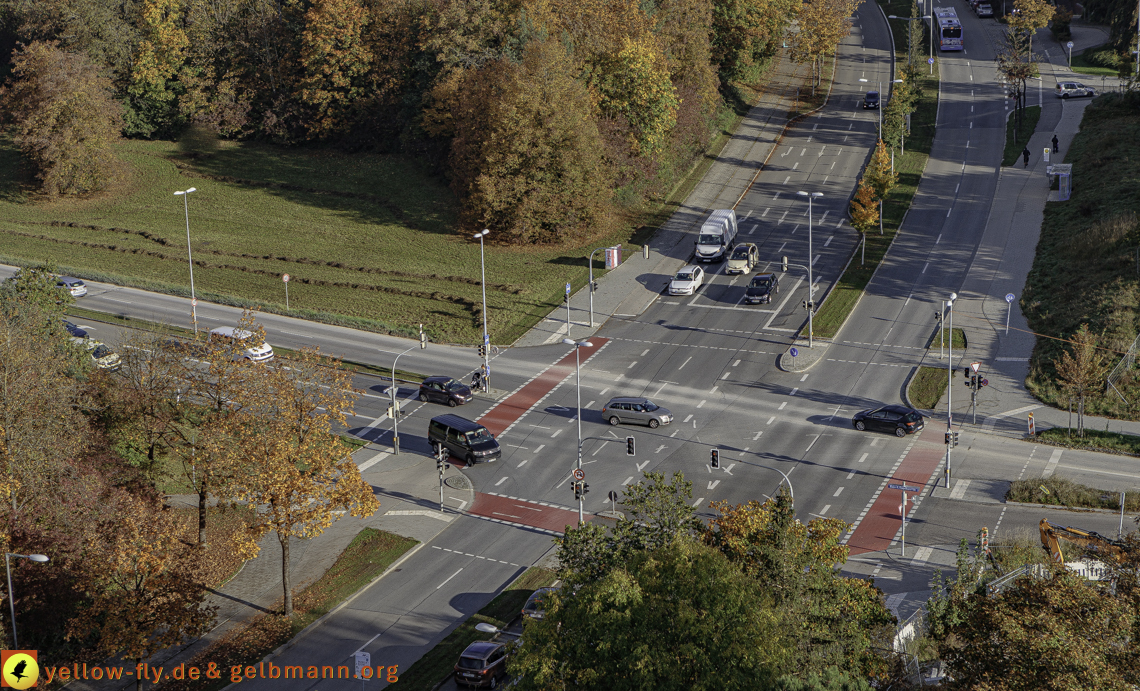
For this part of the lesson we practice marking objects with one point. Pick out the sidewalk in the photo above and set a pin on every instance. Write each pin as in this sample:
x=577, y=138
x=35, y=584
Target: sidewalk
x=1000, y=266
x=407, y=486
x=630, y=288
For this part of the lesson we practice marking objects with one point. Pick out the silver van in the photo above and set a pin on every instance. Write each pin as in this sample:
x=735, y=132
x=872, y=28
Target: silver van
x=638, y=411
x=718, y=232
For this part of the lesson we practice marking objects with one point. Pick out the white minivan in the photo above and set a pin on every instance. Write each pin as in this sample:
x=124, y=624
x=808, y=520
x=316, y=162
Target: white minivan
x=717, y=235
x=252, y=350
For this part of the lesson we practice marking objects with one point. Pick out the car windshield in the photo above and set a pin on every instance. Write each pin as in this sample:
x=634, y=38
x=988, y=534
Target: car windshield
x=650, y=407
x=760, y=283
x=708, y=239
x=101, y=352
x=470, y=663
x=912, y=417
x=479, y=436
x=740, y=253
x=684, y=276
x=872, y=95
x=454, y=385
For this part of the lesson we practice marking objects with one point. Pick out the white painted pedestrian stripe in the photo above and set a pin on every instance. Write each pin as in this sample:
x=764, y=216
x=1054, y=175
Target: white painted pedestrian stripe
x=959, y=490
x=838, y=492
x=823, y=511
x=373, y=461
x=464, y=554
x=1052, y=465
x=922, y=554
x=1011, y=359
x=419, y=512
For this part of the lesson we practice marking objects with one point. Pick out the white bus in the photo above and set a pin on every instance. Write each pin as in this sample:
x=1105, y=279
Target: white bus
x=949, y=29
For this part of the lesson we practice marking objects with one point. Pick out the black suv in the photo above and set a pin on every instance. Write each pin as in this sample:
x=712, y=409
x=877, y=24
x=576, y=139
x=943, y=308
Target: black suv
x=444, y=390
x=482, y=664
x=871, y=100
x=890, y=418
x=762, y=288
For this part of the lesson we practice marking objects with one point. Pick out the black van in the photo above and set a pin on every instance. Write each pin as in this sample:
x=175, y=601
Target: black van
x=466, y=439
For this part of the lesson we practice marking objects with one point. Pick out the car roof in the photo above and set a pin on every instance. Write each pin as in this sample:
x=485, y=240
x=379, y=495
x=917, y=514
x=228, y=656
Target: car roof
x=69, y=280
x=898, y=409
x=688, y=267
x=745, y=244
x=460, y=424
x=232, y=332
x=872, y=93
x=767, y=275
x=627, y=399
x=481, y=650
x=442, y=378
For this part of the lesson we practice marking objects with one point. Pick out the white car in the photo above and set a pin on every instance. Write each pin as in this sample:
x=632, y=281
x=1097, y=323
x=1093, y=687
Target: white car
x=687, y=281
x=1074, y=90
x=76, y=287
x=102, y=356
x=253, y=351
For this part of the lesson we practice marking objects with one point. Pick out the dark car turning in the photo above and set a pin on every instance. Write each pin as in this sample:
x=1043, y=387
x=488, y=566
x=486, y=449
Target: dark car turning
x=483, y=664
x=761, y=288
x=871, y=100
x=444, y=390
x=890, y=418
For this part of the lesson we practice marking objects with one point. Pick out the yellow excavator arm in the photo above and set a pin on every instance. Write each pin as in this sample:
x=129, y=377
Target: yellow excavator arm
x=1051, y=535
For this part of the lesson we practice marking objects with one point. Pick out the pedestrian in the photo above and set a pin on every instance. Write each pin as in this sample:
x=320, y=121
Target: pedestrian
x=1055, y=144
x=1025, y=155
x=477, y=379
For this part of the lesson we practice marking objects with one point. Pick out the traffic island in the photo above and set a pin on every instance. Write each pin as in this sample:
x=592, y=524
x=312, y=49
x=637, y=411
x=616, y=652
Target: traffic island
x=800, y=358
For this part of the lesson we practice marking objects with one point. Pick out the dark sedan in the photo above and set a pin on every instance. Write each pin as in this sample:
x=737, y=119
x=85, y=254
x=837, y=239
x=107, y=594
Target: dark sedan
x=761, y=288
x=444, y=390
x=871, y=100
x=890, y=418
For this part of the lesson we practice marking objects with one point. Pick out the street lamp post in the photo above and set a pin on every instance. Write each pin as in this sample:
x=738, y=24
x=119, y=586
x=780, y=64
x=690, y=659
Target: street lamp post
x=811, y=286
x=592, y=286
x=578, y=369
x=486, y=336
x=395, y=408
x=950, y=385
x=193, y=298
x=910, y=27
x=11, y=599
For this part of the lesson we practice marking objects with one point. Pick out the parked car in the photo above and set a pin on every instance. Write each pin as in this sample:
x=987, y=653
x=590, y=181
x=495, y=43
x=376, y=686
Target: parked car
x=76, y=287
x=871, y=100
x=761, y=288
x=251, y=349
x=745, y=257
x=482, y=664
x=687, y=281
x=444, y=390
x=102, y=356
x=1074, y=90
x=890, y=418
x=75, y=334
x=983, y=9
x=535, y=604
x=638, y=411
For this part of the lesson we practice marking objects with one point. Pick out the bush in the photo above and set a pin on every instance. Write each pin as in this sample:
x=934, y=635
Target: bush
x=1061, y=491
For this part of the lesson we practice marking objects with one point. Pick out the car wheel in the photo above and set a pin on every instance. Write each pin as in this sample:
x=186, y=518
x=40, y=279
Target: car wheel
x=1064, y=96
x=614, y=420
x=423, y=397
x=654, y=423
x=469, y=460
x=900, y=432
x=494, y=682
x=860, y=426
x=451, y=402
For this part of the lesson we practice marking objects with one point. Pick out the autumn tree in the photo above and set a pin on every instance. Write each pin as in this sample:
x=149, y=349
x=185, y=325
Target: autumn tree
x=881, y=176
x=822, y=24
x=1029, y=16
x=634, y=85
x=142, y=584
x=1080, y=369
x=336, y=60
x=289, y=463
x=65, y=118
x=864, y=212
x=679, y=616
x=745, y=33
x=159, y=58
x=1015, y=63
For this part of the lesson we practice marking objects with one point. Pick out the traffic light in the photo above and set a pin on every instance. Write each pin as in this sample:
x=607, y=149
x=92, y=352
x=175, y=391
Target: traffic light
x=585, y=488
x=954, y=438
x=482, y=350
x=593, y=286
x=785, y=266
x=715, y=462
x=577, y=489
x=966, y=372
x=949, y=438
x=629, y=447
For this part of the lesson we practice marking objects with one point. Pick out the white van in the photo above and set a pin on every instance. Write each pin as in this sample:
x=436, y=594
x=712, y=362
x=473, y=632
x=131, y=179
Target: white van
x=717, y=235
x=252, y=350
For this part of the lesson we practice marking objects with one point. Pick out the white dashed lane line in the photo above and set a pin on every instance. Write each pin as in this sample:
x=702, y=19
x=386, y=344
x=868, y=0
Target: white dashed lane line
x=475, y=556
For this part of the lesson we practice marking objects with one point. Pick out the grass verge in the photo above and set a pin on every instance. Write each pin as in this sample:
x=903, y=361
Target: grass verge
x=927, y=387
x=369, y=554
x=942, y=338
x=1016, y=141
x=1095, y=440
x=1061, y=491
x=426, y=672
x=1091, y=61
x=845, y=295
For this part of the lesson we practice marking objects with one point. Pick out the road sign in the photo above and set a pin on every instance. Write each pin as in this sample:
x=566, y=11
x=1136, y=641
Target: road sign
x=194, y=302
x=904, y=488
x=363, y=660
x=486, y=339
x=285, y=278
x=578, y=474
x=613, y=496
x=930, y=61
x=567, y=288
x=1010, y=297
x=1069, y=44
x=794, y=352
x=985, y=382
x=975, y=366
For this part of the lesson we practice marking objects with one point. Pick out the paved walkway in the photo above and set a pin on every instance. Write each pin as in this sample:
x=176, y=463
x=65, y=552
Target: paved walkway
x=628, y=290
x=407, y=486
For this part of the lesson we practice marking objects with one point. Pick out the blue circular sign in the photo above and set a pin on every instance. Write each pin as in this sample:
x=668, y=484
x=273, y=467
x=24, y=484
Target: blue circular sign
x=930, y=61
x=1010, y=297
x=794, y=352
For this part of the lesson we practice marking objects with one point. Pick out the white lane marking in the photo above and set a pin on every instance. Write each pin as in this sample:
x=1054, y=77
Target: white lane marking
x=823, y=511
x=698, y=502
x=782, y=405
x=642, y=465
x=685, y=362
x=851, y=475
x=863, y=457
x=627, y=480
x=500, y=482
x=782, y=218
x=659, y=448
x=924, y=266
x=736, y=363
x=938, y=239
x=645, y=352
x=700, y=404
x=765, y=212
x=837, y=492
x=713, y=484
x=824, y=217
x=540, y=447
x=804, y=378
x=725, y=375
x=1052, y=465
x=771, y=420
x=813, y=441
x=757, y=435
x=687, y=418
x=828, y=241
x=431, y=514
x=448, y=579
x=922, y=554
x=523, y=463
x=632, y=364
x=556, y=433
x=786, y=180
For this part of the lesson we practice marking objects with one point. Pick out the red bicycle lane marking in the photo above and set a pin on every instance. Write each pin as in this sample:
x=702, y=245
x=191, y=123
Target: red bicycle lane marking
x=510, y=409
x=878, y=528
x=522, y=512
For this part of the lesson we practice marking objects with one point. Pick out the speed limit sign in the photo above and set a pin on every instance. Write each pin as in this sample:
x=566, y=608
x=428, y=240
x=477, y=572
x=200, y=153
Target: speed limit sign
x=285, y=278
x=578, y=474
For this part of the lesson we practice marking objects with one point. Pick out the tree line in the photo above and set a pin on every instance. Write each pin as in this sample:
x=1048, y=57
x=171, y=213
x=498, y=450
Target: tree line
x=548, y=117
x=86, y=457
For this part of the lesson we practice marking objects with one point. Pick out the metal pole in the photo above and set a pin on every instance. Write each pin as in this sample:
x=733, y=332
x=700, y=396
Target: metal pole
x=286, y=294
x=811, y=286
x=11, y=600
x=578, y=369
x=591, y=287
x=486, y=336
x=567, y=310
x=1119, y=531
x=395, y=406
x=190, y=256
x=950, y=384
x=1008, y=310
x=904, y=524
x=942, y=333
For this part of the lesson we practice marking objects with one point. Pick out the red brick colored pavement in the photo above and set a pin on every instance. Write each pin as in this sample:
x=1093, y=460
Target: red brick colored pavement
x=522, y=512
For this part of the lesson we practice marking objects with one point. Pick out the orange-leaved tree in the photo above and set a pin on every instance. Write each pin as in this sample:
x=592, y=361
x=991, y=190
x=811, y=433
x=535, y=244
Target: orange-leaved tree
x=336, y=59
x=864, y=213
x=880, y=175
x=289, y=464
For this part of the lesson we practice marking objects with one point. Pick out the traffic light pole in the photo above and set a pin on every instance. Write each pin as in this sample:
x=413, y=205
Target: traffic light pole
x=580, y=486
x=950, y=386
x=394, y=410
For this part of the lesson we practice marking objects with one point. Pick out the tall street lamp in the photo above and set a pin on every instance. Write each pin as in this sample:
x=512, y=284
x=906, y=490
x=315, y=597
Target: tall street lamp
x=950, y=386
x=394, y=410
x=910, y=27
x=578, y=367
x=486, y=337
x=193, y=298
x=811, y=286
x=591, y=262
x=11, y=599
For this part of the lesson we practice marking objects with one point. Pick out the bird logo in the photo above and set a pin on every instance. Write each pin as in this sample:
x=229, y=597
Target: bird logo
x=19, y=669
